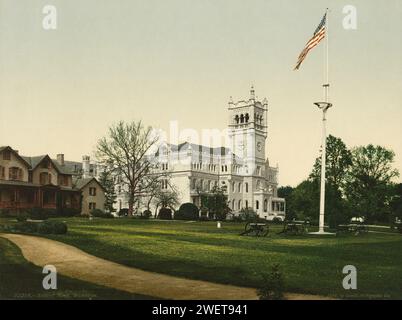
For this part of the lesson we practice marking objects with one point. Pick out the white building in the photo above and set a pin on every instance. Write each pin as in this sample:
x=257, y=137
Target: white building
x=249, y=179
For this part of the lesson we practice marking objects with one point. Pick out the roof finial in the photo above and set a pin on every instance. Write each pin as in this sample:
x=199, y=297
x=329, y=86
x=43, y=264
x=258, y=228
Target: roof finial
x=252, y=93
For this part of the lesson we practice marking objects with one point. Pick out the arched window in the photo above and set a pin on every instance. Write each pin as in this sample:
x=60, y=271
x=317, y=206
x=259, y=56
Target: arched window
x=246, y=185
x=233, y=187
x=239, y=187
x=247, y=117
x=233, y=204
x=265, y=205
x=226, y=168
x=237, y=119
x=246, y=204
x=258, y=185
x=242, y=118
x=257, y=205
x=193, y=184
x=239, y=205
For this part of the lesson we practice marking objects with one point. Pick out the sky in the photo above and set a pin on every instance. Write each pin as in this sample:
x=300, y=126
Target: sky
x=180, y=60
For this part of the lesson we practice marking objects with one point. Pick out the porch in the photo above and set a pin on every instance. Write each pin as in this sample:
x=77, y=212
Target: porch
x=20, y=197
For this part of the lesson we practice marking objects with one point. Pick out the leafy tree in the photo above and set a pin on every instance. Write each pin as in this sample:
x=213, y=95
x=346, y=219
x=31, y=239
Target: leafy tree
x=107, y=182
x=338, y=163
x=216, y=202
x=370, y=188
x=285, y=192
x=125, y=150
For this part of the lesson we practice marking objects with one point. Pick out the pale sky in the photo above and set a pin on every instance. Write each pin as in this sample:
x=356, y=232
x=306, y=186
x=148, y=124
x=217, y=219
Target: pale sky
x=166, y=60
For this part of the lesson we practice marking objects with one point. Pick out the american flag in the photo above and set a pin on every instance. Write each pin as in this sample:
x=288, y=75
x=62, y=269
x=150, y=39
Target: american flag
x=319, y=34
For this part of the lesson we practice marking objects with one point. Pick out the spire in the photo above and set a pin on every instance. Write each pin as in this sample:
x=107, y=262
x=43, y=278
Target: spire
x=252, y=93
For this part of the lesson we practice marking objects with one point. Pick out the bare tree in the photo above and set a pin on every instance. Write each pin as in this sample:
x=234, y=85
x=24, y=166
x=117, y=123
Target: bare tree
x=128, y=151
x=166, y=199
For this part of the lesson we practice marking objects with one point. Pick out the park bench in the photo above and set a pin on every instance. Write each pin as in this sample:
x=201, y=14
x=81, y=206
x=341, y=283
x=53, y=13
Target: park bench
x=255, y=229
x=295, y=227
x=355, y=228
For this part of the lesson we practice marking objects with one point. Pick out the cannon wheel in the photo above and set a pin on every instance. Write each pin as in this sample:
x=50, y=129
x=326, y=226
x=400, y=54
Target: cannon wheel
x=264, y=231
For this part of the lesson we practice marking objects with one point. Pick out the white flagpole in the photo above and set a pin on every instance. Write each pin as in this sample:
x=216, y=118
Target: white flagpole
x=324, y=106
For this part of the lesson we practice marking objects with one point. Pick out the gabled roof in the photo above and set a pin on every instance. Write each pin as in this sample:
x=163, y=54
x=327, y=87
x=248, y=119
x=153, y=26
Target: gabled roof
x=22, y=158
x=80, y=183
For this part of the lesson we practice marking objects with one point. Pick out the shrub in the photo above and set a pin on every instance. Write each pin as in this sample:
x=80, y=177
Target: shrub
x=22, y=216
x=53, y=227
x=248, y=215
x=101, y=214
x=146, y=214
x=25, y=227
x=38, y=214
x=272, y=285
x=5, y=213
x=45, y=227
x=123, y=212
x=187, y=211
x=165, y=214
x=70, y=212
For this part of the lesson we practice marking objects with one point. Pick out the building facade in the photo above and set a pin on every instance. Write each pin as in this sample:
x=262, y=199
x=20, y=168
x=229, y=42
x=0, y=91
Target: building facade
x=243, y=170
x=39, y=182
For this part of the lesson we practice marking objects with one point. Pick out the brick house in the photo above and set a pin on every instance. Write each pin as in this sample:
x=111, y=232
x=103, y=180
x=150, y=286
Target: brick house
x=37, y=182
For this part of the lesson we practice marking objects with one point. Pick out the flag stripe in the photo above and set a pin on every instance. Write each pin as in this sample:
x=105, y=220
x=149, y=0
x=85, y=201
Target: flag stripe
x=319, y=34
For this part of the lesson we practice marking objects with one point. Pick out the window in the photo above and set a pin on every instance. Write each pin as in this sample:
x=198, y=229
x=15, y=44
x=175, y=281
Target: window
x=265, y=205
x=92, y=205
x=15, y=173
x=164, y=183
x=45, y=178
x=233, y=187
x=257, y=204
x=63, y=180
x=2, y=172
x=246, y=187
x=239, y=205
x=239, y=187
x=6, y=155
x=92, y=191
x=246, y=203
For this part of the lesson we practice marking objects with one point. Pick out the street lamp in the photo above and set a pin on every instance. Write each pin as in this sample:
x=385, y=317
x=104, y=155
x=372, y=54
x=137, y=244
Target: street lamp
x=324, y=106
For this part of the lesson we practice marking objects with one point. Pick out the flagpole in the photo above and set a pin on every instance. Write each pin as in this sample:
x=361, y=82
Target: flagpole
x=324, y=106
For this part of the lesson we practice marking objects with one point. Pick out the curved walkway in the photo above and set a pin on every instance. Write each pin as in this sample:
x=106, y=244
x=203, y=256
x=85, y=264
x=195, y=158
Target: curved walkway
x=75, y=263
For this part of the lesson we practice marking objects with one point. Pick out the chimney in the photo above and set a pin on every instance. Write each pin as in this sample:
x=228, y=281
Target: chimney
x=85, y=166
x=60, y=159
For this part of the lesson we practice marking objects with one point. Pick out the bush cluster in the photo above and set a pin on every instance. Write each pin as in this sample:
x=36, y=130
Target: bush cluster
x=165, y=214
x=101, y=214
x=45, y=227
x=187, y=211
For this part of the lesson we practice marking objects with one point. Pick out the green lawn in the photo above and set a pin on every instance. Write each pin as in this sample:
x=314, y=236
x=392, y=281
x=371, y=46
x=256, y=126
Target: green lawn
x=20, y=279
x=199, y=250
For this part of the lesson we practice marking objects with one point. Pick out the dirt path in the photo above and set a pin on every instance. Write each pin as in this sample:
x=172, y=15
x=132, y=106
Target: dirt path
x=75, y=263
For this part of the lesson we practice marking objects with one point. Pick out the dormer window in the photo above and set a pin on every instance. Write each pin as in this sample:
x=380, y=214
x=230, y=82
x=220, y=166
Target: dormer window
x=6, y=155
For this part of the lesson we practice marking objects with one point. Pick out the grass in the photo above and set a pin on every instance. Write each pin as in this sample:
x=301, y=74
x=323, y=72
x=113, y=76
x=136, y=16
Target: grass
x=20, y=279
x=198, y=250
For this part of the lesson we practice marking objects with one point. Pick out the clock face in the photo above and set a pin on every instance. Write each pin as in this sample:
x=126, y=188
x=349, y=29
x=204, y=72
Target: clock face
x=259, y=146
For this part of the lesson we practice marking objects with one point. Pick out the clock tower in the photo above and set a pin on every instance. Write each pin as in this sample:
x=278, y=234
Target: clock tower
x=248, y=131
